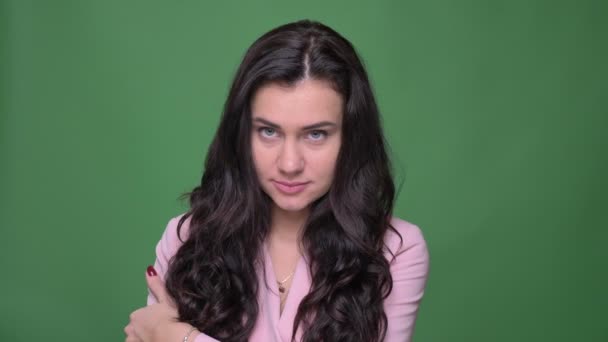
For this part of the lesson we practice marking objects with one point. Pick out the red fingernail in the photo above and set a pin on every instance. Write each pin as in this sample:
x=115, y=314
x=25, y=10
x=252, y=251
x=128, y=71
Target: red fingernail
x=151, y=271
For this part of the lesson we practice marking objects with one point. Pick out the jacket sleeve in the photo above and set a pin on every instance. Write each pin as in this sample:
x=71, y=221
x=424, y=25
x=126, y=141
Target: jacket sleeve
x=410, y=272
x=165, y=249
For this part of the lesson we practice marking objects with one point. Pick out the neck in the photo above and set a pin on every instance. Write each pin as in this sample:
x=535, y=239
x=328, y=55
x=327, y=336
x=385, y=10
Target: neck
x=287, y=225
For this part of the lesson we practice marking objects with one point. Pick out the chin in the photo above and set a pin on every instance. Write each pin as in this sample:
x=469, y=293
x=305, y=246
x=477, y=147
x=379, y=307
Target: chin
x=291, y=207
x=293, y=204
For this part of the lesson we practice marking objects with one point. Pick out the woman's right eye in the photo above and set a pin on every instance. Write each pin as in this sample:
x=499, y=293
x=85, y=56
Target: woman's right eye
x=267, y=132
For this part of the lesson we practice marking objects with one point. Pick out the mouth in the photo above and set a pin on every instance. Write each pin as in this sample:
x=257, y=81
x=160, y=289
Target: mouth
x=290, y=188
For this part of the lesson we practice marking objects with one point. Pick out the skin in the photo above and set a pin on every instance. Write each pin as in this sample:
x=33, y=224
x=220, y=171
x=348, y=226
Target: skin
x=283, y=149
x=157, y=322
x=296, y=137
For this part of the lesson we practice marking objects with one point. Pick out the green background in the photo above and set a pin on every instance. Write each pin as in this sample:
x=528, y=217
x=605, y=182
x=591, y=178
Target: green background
x=496, y=112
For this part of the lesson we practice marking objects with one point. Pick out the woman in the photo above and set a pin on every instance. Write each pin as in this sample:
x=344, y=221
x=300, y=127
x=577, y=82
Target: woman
x=290, y=235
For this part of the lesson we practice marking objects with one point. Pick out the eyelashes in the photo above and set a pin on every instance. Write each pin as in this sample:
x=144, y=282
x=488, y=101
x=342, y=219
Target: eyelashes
x=316, y=135
x=263, y=130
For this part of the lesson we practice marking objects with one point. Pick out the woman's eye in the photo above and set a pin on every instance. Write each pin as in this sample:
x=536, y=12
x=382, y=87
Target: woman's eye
x=317, y=135
x=267, y=132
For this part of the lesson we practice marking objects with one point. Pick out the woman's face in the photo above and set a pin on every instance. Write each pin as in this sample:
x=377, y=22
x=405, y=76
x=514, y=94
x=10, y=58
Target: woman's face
x=295, y=141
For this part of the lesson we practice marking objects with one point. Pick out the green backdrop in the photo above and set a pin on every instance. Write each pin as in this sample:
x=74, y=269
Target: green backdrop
x=496, y=112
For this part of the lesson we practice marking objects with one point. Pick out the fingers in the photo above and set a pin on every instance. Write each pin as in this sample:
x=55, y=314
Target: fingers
x=157, y=287
x=131, y=335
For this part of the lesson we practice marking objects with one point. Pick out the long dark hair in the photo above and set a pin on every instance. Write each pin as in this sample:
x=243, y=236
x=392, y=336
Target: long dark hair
x=213, y=278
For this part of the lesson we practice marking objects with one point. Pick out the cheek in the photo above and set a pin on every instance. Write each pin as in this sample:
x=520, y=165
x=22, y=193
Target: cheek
x=255, y=156
x=326, y=163
x=261, y=158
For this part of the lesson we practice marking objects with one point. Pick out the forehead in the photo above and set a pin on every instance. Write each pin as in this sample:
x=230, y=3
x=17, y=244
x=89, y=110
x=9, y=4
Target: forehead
x=304, y=103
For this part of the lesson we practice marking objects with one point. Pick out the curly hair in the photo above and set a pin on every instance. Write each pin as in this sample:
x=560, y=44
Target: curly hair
x=213, y=279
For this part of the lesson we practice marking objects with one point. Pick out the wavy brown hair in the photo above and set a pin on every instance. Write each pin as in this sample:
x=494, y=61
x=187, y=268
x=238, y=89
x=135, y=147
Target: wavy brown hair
x=213, y=276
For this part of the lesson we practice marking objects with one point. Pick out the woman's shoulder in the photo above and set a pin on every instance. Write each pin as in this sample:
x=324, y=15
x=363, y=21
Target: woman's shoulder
x=167, y=247
x=406, y=237
x=409, y=267
x=170, y=240
x=409, y=234
x=174, y=221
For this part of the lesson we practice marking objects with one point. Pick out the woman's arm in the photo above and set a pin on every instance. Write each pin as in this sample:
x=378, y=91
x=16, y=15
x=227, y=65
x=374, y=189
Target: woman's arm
x=410, y=272
x=165, y=250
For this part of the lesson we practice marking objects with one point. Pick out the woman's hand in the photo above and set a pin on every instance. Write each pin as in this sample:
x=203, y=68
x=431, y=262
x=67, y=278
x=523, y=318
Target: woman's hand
x=157, y=322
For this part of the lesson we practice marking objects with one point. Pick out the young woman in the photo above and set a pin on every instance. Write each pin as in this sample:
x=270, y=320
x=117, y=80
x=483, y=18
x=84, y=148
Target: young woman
x=290, y=235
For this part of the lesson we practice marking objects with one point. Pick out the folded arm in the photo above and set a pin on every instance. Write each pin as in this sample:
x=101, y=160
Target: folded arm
x=165, y=250
x=410, y=272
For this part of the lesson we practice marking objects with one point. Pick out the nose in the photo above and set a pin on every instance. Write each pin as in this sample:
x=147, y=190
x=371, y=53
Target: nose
x=290, y=161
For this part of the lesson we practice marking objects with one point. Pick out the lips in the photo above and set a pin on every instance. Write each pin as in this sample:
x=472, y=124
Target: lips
x=290, y=188
x=291, y=184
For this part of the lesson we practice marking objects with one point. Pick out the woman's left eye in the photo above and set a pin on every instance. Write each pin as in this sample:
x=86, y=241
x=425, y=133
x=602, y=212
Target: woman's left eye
x=318, y=135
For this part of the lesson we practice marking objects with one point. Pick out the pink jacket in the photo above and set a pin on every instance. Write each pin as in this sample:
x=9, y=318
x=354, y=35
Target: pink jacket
x=409, y=271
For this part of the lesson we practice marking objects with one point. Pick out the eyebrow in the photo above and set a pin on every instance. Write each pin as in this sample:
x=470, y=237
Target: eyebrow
x=313, y=126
